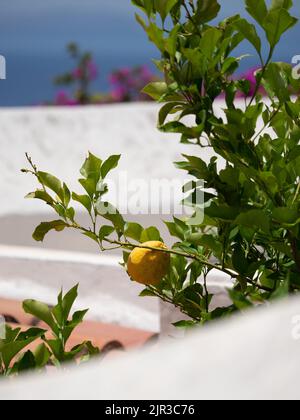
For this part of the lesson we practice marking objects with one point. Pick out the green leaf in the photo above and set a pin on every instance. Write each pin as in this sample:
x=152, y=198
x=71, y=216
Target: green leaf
x=178, y=127
x=221, y=313
x=91, y=168
x=165, y=111
x=222, y=212
x=10, y=335
x=25, y=363
x=270, y=181
x=239, y=300
x=31, y=332
x=164, y=7
x=150, y=234
x=91, y=235
x=278, y=21
x=207, y=10
x=9, y=350
x=70, y=326
x=230, y=65
x=90, y=186
x=67, y=195
x=207, y=241
x=41, y=195
x=45, y=227
x=178, y=229
x=70, y=213
x=209, y=41
x=249, y=32
x=41, y=311
x=56, y=348
x=275, y=82
x=198, y=61
x=195, y=166
x=141, y=21
x=139, y=3
x=145, y=5
x=254, y=219
x=147, y=293
x=282, y=291
x=84, y=200
x=57, y=311
x=51, y=182
x=110, y=164
x=156, y=90
x=133, y=231
x=105, y=232
x=283, y=248
x=172, y=41
x=279, y=4
x=185, y=324
x=239, y=261
x=174, y=231
x=68, y=301
x=109, y=212
x=257, y=9
x=78, y=317
x=286, y=215
x=42, y=355
x=230, y=176
x=156, y=35
x=125, y=256
x=92, y=350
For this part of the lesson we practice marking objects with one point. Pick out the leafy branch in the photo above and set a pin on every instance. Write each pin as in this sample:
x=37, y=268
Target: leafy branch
x=51, y=348
x=250, y=229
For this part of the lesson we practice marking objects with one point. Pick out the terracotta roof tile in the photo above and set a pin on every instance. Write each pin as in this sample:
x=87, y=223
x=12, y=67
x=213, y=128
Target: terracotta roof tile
x=109, y=335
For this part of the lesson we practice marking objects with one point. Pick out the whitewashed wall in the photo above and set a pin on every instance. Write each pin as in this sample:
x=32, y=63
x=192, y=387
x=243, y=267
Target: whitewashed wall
x=253, y=356
x=58, y=139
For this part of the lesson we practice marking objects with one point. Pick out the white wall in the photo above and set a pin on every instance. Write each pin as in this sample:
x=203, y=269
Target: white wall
x=58, y=140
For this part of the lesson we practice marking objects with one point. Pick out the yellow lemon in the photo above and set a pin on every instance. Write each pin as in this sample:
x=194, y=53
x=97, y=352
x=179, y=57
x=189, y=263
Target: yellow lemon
x=148, y=266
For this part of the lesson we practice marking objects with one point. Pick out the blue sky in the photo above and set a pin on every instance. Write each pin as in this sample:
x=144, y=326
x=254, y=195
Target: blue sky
x=34, y=33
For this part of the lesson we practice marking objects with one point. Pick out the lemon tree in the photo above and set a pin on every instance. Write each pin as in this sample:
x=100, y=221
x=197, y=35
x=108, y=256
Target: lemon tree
x=251, y=226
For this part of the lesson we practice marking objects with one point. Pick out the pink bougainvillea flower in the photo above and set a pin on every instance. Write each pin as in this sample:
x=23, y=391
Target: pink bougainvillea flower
x=77, y=73
x=119, y=94
x=124, y=72
x=62, y=99
x=145, y=73
x=114, y=78
x=127, y=83
x=92, y=70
